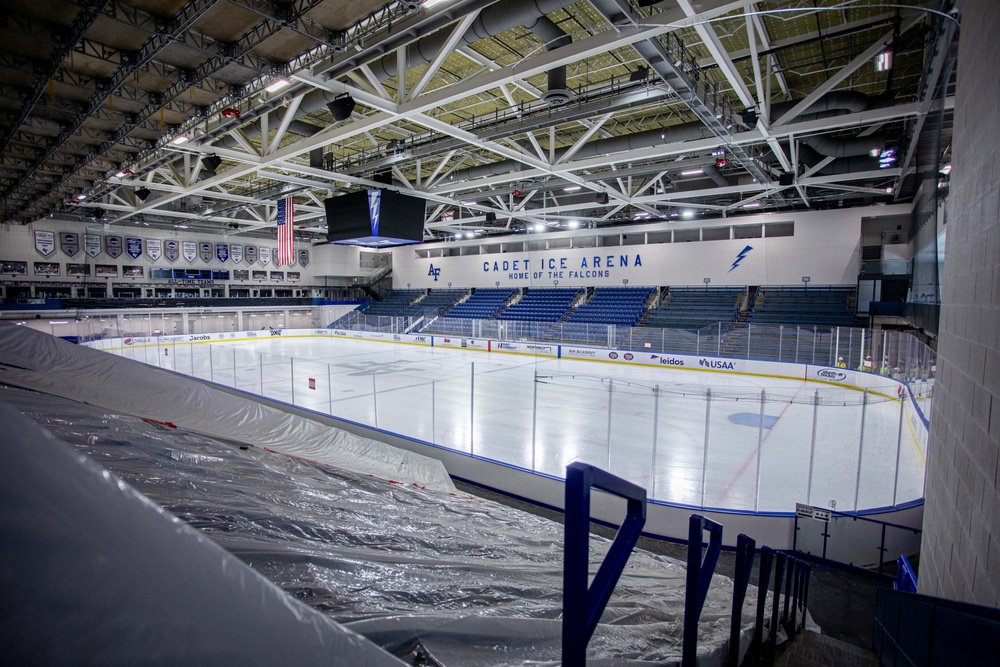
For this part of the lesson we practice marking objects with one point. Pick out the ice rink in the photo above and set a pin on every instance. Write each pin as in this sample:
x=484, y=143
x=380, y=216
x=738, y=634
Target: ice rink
x=703, y=439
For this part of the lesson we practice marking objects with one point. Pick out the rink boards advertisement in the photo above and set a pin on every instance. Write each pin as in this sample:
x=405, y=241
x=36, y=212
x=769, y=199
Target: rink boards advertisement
x=875, y=384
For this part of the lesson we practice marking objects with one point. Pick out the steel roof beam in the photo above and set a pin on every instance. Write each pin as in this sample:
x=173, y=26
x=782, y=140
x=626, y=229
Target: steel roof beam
x=84, y=19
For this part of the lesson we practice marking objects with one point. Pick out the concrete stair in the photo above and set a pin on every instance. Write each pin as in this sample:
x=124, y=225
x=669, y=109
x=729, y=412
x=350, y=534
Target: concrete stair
x=815, y=650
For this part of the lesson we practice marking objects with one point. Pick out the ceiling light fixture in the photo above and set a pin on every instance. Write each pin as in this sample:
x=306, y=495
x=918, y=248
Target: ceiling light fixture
x=883, y=61
x=276, y=85
x=178, y=140
x=692, y=172
x=688, y=213
x=572, y=188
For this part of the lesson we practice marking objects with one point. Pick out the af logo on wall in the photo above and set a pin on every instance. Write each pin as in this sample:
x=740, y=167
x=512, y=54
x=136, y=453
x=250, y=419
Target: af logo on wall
x=434, y=272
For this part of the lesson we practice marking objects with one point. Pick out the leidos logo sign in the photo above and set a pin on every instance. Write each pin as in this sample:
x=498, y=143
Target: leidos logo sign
x=434, y=272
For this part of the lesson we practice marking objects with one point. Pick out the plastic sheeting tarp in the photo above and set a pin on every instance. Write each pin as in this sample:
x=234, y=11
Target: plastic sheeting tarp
x=36, y=360
x=92, y=572
x=456, y=580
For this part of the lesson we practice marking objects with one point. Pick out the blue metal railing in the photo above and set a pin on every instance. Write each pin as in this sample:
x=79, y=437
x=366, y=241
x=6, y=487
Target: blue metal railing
x=583, y=606
x=699, y=578
x=744, y=566
x=914, y=630
x=906, y=578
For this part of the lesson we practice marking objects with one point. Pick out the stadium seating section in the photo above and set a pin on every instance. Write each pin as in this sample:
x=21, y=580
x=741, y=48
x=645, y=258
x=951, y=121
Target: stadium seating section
x=822, y=306
x=695, y=308
x=542, y=305
x=794, y=321
x=612, y=305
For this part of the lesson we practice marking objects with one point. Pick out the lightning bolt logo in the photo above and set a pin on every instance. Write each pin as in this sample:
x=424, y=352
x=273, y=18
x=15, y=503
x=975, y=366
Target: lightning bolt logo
x=740, y=257
x=374, y=204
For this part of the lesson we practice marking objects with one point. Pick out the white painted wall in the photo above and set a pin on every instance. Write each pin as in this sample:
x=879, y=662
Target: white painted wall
x=825, y=247
x=17, y=243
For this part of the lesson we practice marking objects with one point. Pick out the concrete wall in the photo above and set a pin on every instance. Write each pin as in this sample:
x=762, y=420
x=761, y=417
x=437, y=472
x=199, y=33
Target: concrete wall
x=960, y=558
x=825, y=247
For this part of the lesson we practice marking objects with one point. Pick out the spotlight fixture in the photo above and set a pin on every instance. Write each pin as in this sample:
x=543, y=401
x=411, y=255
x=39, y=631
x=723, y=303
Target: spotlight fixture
x=212, y=162
x=142, y=193
x=341, y=107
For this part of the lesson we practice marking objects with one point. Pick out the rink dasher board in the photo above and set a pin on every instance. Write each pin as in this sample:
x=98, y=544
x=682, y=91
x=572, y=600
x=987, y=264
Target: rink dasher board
x=876, y=385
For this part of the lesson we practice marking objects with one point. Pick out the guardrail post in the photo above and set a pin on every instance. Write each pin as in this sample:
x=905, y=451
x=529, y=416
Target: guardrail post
x=790, y=617
x=744, y=566
x=583, y=606
x=699, y=578
x=772, y=637
x=789, y=579
x=756, y=652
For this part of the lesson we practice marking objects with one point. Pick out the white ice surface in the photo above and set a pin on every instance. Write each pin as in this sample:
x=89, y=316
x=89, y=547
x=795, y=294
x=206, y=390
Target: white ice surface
x=599, y=413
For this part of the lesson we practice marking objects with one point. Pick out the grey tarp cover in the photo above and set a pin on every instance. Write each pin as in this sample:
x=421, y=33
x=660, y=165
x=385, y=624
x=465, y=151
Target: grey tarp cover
x=469, y=581
x=33, y=359
x=92, y=573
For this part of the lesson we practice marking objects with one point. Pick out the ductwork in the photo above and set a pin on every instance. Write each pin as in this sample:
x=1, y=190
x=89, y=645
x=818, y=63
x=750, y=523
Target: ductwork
x=835, y=103
x=847, y=165
x=712, y=172
x=834, y=147
x=491, y=22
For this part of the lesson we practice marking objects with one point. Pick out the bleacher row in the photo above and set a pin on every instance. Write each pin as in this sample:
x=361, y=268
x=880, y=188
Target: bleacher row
x=678, y=308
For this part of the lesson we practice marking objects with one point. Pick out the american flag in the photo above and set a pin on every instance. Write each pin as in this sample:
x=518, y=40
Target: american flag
x=286, y=233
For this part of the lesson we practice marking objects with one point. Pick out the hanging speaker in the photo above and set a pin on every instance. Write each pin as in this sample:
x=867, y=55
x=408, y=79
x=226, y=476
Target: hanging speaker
x=786, y=179
x=491, y=217
x=142, y=193
x=212, y=162
x=341, y=107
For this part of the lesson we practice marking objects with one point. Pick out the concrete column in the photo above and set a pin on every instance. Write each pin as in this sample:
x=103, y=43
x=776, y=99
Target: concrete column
x=960, y=556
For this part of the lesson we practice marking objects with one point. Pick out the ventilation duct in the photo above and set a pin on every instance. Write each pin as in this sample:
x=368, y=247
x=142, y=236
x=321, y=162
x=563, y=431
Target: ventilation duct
x=491, y=22
x=831, y=104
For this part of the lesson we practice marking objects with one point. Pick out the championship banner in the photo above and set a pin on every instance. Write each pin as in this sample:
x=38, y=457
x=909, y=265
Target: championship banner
x=171, y=250
x=265, y=255
x=303, y=258
x=205, y=252
x=251, y=253
x=236, y=253
x=113, y=247
x=154, y=248
x=222, y=252
x=133, y=247
x=92, y=244
x=45, y=242
x=189, y=250
x=69, y=242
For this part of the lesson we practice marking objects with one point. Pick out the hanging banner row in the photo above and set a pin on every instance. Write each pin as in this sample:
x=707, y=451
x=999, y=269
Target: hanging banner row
x=171, y=249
